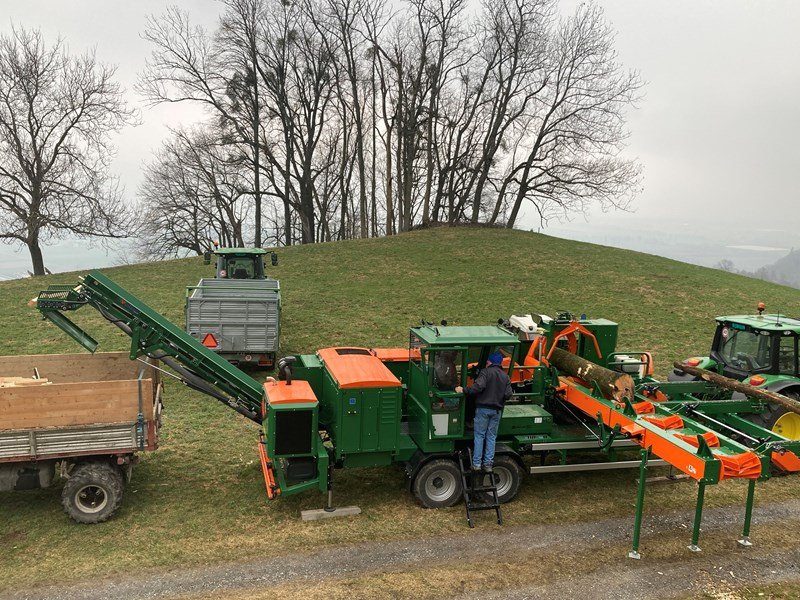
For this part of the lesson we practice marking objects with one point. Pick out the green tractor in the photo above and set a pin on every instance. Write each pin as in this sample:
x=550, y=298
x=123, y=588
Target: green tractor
x=760, y=350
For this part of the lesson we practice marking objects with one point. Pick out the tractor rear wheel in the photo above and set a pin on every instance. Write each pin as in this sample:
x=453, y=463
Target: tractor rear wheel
x=93, y=492
x=780, y=419
x=438, y=484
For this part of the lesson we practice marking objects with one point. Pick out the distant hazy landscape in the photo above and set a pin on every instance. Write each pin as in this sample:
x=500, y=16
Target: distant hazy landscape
x=748, y=247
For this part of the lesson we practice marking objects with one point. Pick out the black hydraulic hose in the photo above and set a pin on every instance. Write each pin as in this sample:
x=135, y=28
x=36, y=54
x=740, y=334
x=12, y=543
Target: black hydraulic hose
x=189, y=378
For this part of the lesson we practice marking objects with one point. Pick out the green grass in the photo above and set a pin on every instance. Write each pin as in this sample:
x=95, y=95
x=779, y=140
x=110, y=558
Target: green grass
x=200, y=497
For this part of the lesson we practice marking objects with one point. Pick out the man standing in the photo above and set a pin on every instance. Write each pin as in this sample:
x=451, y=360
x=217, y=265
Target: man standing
x=492, y=388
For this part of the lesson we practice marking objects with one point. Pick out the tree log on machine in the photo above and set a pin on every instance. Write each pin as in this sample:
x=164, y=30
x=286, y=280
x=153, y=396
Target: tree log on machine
x=613, y=384
x=738, y=386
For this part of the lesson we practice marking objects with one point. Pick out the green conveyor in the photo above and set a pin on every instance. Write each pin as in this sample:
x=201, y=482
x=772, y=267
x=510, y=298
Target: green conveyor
x=155, y=336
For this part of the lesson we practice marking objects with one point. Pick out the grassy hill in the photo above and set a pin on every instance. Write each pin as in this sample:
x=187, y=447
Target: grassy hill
x=200, y=497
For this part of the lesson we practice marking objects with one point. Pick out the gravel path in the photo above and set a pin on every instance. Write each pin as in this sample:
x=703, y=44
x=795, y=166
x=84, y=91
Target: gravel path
x=485, y=541
x=704, y=574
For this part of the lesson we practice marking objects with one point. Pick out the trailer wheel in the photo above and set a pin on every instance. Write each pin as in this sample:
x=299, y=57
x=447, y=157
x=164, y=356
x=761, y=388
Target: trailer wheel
x=509, y=477
x=93, y=492
x=438, y=484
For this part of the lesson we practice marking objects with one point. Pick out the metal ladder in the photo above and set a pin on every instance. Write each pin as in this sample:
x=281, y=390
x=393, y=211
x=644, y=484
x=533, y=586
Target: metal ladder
x=478, y=494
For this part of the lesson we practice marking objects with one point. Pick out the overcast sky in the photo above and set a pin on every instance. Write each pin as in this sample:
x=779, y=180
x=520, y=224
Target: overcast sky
x=717, y=128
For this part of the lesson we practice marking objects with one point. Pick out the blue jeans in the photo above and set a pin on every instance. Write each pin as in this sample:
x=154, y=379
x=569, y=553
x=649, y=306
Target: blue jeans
x=487, y=420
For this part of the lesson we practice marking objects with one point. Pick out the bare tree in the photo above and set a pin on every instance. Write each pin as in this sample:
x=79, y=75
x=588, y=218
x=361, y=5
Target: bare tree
x=343, y=110
x=579, y=129
x=216, y=71
x=195, y=191
x=298, y=74
x=57, y=114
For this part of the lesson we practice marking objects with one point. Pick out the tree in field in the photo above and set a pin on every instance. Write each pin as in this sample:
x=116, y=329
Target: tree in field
x=572, y=156
x=217, y=71
x=365, y=117
x=195, y=192
x=57, y=115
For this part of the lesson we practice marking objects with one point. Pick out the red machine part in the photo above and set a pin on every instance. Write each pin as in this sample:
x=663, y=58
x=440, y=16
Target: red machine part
x=269, y=475
x=572, y=341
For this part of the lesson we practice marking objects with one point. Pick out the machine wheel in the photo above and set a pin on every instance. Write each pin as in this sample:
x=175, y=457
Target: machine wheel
x=780, y=420
x=93, y=492
x=438, y=484
x=509, y=477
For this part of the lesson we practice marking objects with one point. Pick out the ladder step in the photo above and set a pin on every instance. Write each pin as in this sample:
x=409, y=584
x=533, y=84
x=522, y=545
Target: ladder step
x=483, y=506
x=487, y=488
x=473, y=484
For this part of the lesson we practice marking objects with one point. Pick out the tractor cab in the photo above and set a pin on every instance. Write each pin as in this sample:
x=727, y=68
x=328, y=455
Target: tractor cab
x=745, y=346
x=240, y=263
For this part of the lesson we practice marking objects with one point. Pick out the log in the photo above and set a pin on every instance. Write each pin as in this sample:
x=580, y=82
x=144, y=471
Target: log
x=741, y=387
x=613, y=384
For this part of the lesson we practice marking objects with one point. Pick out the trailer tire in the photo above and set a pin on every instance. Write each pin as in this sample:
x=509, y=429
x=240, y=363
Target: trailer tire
x=438, y=484
x=93, y=492
x=508, y=476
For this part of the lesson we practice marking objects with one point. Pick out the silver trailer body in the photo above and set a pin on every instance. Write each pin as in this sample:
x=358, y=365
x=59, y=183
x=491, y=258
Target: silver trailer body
x=58, y=442
x=243, y=316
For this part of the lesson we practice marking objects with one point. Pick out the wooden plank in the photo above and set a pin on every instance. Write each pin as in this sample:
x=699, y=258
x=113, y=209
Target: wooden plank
x=69, y=404
x=66, y=368
x=21, y=381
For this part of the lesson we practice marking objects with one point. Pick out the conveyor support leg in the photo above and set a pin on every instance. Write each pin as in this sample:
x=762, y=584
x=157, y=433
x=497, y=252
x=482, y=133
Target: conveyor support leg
x=637, y=524
x=748, y=513
x=698, y=517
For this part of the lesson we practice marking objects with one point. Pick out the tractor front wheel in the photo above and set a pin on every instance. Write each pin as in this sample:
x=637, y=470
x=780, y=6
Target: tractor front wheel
x=438, y=484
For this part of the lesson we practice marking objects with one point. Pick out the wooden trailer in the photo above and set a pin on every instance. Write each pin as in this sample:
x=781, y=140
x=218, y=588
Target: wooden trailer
x=88, y=415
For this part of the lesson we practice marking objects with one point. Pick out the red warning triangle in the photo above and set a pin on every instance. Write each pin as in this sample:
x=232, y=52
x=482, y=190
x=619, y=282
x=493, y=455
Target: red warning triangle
x=210, y=341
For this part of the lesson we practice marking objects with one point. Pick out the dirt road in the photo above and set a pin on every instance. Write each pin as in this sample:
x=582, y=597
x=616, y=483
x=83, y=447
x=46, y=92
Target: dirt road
x=552, y=561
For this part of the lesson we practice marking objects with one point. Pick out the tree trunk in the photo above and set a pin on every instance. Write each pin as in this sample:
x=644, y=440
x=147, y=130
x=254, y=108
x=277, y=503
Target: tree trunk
x=614, y=385
x=36, y=256
x=738, y=386
x=307, y=207
x=389, y=191
x=426, y=202
x=523, y=189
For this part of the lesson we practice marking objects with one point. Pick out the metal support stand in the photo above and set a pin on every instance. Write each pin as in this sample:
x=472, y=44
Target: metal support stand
x=329, y=511
x=637, y=524
x=748, y=513
x=698, y=516
x=329, y=503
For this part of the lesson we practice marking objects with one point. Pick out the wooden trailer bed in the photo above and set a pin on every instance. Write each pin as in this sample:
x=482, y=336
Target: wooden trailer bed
x=89, y=404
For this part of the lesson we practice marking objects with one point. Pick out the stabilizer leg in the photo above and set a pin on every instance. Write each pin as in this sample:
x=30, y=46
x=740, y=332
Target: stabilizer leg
x=698, y=517
x=748, y=513
x=637, y=524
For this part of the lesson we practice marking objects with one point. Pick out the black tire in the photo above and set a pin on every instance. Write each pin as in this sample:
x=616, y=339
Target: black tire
x=93, y=492
x=770, y=417
x=438, y=484
x=508, y=477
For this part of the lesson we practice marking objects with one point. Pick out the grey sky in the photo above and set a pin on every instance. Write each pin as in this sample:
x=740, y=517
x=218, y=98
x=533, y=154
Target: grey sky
x=716, y=131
